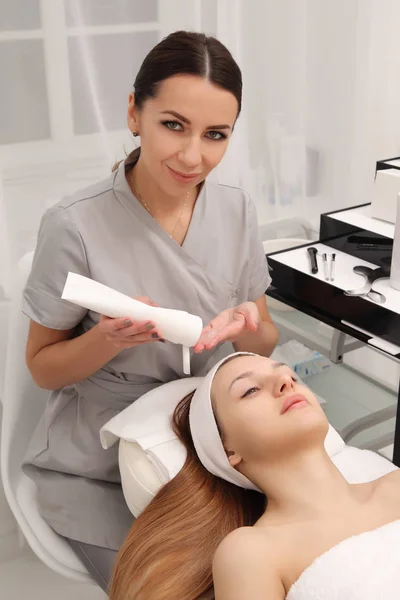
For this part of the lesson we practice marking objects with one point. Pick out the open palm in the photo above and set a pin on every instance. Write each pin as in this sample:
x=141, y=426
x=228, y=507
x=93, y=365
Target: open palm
x=228, y=326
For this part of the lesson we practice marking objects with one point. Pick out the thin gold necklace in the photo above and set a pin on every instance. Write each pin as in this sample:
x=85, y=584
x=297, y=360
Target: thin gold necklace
x=171, y=235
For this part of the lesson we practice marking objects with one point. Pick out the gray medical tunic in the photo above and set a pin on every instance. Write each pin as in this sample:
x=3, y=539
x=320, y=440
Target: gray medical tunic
x=103, y=232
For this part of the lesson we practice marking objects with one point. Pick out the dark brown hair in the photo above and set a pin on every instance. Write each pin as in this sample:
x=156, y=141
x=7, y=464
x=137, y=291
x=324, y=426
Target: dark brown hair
x=191, y=53
x=169, y=549
x=186, y=52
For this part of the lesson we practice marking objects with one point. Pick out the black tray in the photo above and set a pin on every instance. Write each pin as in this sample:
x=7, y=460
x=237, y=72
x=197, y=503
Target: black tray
x=351, y=239
x=319, y=298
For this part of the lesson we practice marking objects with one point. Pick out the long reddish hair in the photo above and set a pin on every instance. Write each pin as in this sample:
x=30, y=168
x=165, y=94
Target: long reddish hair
x=168, y=552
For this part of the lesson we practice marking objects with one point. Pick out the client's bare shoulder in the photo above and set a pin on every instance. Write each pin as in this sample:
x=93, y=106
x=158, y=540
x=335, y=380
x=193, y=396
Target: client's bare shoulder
x=247, y=565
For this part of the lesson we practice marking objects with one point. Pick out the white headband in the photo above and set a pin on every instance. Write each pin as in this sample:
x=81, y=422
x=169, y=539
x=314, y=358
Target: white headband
x=205, y=434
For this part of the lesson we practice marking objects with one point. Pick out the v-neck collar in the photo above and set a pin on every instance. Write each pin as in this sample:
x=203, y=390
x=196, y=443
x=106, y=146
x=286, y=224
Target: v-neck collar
x=124, y=193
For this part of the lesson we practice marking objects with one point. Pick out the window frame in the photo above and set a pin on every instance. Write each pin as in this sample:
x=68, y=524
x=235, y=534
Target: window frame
x=64, y=144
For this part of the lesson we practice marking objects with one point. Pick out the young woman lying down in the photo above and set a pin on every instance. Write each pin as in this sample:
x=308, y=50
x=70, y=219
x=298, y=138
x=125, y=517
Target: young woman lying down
x=259, y=510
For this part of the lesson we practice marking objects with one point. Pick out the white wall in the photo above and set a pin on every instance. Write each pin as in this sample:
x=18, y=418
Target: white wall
x=321, y=97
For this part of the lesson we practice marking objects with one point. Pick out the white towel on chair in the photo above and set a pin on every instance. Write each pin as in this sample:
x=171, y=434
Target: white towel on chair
x=363, y=567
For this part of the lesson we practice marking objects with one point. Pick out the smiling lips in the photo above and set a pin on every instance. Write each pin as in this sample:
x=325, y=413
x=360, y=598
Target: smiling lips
x=181, y=176
x=294, y=401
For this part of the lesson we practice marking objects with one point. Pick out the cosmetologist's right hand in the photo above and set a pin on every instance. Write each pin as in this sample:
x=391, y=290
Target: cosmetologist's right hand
x=125, y=333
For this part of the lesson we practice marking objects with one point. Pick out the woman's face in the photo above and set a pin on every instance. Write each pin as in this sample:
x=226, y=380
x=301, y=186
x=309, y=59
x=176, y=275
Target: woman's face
x=263, y=411
x=184, y=131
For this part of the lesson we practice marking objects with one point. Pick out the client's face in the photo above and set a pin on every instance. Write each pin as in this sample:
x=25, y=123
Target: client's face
x=263, y=411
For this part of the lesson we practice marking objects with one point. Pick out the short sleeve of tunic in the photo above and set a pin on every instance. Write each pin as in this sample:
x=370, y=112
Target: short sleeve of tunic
x=59, y=249
x=258, y=273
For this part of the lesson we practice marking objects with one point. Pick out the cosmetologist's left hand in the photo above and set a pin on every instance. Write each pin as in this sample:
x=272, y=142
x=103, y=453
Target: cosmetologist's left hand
x=228, y=326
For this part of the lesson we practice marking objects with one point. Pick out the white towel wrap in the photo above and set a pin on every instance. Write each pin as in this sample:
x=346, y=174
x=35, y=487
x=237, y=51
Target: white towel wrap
x=362, y=567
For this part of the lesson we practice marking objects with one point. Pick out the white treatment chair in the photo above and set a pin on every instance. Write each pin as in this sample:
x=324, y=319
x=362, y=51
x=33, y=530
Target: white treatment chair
x=23, y=405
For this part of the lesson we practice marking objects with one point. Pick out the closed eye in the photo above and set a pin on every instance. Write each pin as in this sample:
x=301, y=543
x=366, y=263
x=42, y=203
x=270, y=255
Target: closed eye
x=250, y=391
x=255, y=389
